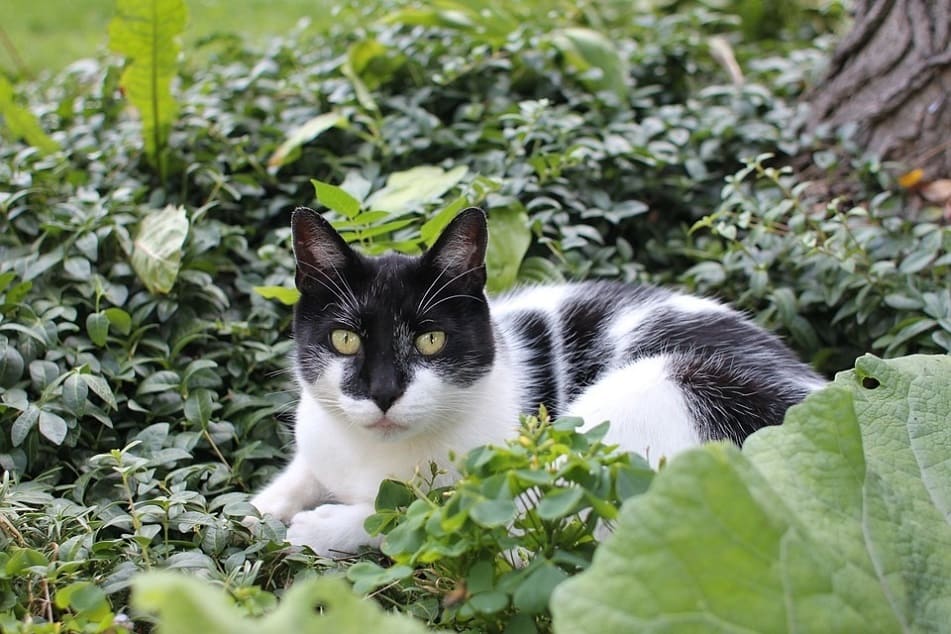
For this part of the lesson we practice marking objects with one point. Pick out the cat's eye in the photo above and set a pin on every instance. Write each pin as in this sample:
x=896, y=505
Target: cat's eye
x=430, y=343
x=345, y=341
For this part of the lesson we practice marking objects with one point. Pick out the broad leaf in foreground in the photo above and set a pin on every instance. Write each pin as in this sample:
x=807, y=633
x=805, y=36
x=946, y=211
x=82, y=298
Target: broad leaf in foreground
x=836, y=521
x=186, y=604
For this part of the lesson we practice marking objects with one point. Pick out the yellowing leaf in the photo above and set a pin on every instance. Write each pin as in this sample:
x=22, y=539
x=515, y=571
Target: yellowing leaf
x=287, y=296
x=157, y=254
x=910, y=179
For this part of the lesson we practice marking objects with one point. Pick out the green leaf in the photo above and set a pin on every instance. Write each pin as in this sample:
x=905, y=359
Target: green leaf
x=157, y=254
x=75, y=392
x=97, y=327
x=368, y=576
x=84, y=597
x=21, y=122
x=287, y=296
x=410, y=190
x=21, y=559
x=490, y=513
x=335, y=198
x=23, y=424
x=99, y=385
x=489, y=602
x=162, y=381
x=11, y=365
x=393, y=495
x=560, y=502
x=198, y=407
x=534, y=591
x=836, y=521
x=120, y=320
x=186, y=604
x=53, y=427
x=303, y=134
x=509, y=239
x=432, y=228
x=146, y=33
x=595, y=56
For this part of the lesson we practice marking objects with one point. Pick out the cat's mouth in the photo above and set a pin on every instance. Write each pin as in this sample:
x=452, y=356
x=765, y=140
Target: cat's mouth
x=387, y=426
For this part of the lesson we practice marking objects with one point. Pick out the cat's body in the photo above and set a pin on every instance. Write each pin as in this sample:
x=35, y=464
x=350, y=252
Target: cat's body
x=401, y=360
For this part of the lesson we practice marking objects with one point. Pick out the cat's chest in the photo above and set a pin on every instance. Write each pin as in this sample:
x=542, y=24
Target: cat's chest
x=349, y=466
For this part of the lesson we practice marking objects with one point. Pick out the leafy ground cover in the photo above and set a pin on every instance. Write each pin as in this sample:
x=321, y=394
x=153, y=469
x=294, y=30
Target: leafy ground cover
x=143, y=378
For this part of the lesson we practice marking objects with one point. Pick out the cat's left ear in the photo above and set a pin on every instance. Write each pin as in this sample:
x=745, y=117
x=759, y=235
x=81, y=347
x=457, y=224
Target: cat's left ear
x=318, y=248
x=460, y=251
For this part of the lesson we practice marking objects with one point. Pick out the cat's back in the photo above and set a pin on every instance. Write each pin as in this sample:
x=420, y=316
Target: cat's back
x=569, y=336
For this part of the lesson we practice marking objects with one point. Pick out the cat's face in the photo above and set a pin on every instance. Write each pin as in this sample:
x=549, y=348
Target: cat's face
x=392, y=344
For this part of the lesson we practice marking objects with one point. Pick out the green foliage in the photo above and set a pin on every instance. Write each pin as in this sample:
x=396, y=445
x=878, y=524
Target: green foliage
x=878, y=278
x=144, y=382
x=21, y=123
x=146, y=33
x=184, y=604
x=836, y=521
x=519, y=521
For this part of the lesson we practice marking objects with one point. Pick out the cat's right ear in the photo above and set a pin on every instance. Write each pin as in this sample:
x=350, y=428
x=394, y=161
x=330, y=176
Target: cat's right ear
x=319, y=250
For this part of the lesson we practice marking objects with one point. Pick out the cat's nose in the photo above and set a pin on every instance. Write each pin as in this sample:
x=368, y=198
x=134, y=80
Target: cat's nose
x=385, y=395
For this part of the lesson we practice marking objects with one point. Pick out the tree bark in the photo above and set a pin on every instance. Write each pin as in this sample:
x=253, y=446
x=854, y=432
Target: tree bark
x=891, y=75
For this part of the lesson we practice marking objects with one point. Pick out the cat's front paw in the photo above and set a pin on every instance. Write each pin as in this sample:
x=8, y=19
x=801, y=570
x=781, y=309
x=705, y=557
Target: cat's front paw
x=282, y=507
x=332, y=530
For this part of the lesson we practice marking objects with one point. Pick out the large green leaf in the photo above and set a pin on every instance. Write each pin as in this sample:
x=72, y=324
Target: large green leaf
x=21, y=122
x=157, y=254
x=185, y=604
x=509, y=239
x=838, y=521
x=409, y=190
x=147, y=32
x=595, y=56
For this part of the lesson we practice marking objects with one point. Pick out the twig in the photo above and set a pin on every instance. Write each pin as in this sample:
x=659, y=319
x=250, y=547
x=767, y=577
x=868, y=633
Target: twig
x=21, y=66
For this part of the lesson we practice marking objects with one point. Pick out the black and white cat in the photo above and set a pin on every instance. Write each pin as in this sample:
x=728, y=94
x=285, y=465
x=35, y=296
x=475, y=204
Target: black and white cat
x=401, y=359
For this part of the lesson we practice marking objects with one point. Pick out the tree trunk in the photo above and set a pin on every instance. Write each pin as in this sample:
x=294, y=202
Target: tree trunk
x=891, y=75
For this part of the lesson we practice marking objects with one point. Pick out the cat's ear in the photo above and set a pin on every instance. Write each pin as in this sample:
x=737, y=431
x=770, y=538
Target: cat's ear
x=460, y=250
x=318, y=248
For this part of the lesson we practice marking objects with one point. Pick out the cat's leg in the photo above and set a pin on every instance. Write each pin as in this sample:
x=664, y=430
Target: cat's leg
x=293, y=490
x=333, y=530
x=646, y=406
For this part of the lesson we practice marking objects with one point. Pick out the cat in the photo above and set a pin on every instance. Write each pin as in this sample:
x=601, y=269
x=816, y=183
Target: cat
x=401, y=359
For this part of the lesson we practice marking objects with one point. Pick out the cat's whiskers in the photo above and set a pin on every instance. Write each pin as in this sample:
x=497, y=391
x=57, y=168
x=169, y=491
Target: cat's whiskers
x=446, y=299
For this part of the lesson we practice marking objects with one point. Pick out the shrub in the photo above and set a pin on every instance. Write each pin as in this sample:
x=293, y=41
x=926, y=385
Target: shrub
x=141, y=397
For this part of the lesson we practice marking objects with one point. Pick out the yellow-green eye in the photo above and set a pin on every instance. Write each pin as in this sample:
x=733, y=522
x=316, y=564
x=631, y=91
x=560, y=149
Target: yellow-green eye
x=429, y=343
x=345, y=341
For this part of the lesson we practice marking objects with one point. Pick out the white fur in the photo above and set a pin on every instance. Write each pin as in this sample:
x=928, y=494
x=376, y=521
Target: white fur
x=646, y=408
x=339, y=462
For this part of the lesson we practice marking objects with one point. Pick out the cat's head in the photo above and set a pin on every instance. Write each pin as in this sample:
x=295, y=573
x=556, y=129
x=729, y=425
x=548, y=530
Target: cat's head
x=392, y=344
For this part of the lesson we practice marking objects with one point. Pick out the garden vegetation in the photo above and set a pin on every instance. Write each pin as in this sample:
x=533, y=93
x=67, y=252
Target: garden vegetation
x=146, y=276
